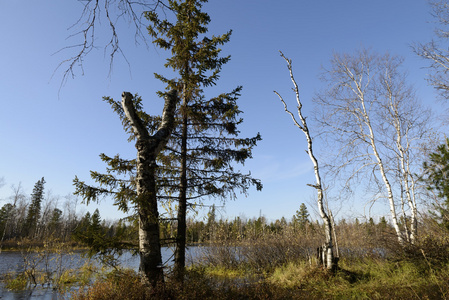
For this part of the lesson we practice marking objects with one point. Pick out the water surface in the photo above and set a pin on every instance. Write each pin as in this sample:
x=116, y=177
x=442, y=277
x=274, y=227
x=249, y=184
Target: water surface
x=15, y=261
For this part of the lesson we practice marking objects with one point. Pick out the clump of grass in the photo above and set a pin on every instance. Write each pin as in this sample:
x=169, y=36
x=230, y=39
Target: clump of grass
x=57, y=280
x=70, y=277
x=294, y=275
x=220, y=271
x=16, y=282
x=125, y=284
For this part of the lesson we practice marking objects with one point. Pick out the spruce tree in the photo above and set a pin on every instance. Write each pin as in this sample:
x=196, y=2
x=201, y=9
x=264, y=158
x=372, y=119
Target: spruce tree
x=302, y=216
x=95, y=224
x=437, y=175
x=55, y=223
x=201, y=156
x=34, y=209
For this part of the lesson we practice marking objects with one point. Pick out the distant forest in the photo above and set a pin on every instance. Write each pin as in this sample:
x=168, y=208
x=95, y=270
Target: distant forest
x=34, y=220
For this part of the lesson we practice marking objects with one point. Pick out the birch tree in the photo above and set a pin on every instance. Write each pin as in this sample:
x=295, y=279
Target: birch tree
x=13, y=214
x=376, y=124
x=141, y=189
x=327, y=253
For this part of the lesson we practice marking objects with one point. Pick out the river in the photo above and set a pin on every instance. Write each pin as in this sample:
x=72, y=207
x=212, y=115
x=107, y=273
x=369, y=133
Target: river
x=13, y=261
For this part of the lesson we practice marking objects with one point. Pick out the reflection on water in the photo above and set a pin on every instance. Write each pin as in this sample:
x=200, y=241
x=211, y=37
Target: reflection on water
x=14, y=262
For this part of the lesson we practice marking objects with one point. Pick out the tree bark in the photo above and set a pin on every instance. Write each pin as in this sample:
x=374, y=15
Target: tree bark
x=148, y=148
x=383, y=173
x=325, y=252
x=180, y=251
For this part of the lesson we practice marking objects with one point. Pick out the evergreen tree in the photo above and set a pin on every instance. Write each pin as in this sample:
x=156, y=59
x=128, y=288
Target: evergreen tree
x=437, y=179
x=302, y=217
x=95, y=223
x=383, y=224
x=200, y=157
x=81, y=231
x=55, y=223
x=211, y=223
x=203, y=150
x=34, y=209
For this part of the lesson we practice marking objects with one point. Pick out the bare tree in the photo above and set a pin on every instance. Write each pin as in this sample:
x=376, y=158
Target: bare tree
x=436, y=52
x=326, y=254
x=376, y=125
x=16, y=214
x=49, y=204
x=70, y=215
x=96, y=12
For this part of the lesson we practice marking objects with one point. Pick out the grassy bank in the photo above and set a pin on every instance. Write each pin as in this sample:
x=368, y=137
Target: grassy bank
x=281, y=266
x=363, y=279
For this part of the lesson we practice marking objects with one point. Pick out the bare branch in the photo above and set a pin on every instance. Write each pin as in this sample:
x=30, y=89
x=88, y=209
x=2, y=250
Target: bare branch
x=436, y=51
x=114, y=11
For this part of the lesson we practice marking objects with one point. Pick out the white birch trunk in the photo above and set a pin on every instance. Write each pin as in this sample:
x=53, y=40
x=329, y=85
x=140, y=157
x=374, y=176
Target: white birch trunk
x=327, y=252
x=407, y=181
x=372, y=141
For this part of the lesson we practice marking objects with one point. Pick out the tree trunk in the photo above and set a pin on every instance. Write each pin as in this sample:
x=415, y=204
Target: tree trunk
x=383, y=172
x=147, y=149
x=149, y=240
x=325, y=253
x=180, y=251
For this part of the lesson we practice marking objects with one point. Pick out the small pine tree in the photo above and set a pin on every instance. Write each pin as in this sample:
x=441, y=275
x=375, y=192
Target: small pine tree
x=383, y=224
x=80, y=233
x=95, y=224
x=55, y=221
x=302, y=217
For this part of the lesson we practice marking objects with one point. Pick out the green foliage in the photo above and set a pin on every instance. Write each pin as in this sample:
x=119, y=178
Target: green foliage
x=207, y=131
x=106, y=243
x=437, y=171
x=34, y=210
x=202, y=152
x=55, y=222
x=301, y=218
x=16, y=282
x=200, y=158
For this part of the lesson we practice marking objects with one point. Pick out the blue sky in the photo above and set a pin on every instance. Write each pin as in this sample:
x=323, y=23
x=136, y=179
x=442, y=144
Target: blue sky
x=59, y=133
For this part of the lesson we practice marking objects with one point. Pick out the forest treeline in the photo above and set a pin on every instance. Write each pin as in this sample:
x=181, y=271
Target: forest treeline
x=37, y=218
